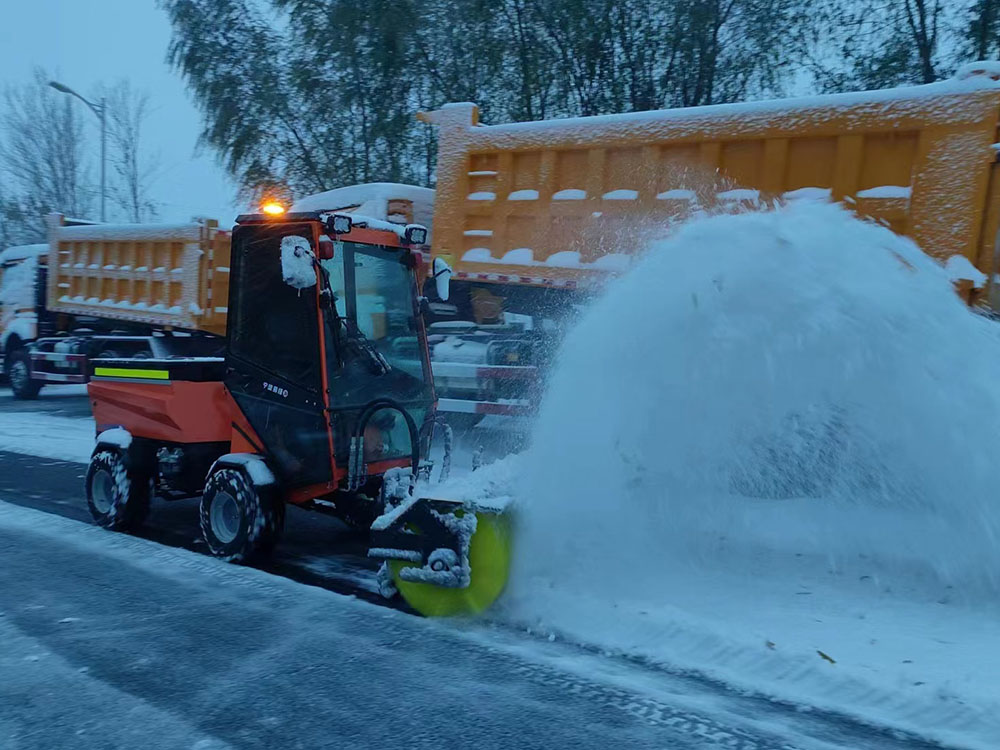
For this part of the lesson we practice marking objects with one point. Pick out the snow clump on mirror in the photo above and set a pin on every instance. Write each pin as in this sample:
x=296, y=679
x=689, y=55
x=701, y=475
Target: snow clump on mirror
x=297, y=262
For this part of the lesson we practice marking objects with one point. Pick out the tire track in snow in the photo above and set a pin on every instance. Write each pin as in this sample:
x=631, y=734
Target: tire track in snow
x=710, y=733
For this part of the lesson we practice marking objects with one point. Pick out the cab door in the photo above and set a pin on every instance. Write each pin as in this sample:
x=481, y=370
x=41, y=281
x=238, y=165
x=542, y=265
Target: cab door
x=273, y=364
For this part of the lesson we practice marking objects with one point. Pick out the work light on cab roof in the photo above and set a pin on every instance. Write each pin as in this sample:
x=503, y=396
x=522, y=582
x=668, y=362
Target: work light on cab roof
x=415, y=234
x=339, y=224
x=272, y=208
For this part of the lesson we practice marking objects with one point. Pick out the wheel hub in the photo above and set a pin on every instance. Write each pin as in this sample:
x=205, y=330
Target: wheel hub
x=102, y=491
x=225, y=516
x=18, y=375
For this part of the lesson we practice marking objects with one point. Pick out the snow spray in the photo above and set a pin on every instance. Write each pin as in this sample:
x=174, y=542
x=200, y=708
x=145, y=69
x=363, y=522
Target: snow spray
x=781, y=386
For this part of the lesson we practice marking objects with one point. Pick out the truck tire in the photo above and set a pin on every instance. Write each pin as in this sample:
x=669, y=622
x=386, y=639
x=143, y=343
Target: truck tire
x=17, y=365
x=240, y=521
x=118, y=498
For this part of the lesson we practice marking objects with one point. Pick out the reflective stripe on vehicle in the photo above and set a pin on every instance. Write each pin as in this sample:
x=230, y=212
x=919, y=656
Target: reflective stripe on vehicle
x=129, y=373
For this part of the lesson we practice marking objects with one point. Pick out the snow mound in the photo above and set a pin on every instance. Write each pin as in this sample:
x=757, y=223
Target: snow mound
x=798, y=364
x=778, y=428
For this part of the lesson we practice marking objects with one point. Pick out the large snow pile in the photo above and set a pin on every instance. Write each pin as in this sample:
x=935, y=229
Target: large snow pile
x=798, y=364
x=768, y=453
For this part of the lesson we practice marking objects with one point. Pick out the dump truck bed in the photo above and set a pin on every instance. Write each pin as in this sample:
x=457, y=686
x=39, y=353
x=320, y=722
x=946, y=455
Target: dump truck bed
x=165, y=275
x=554, y=202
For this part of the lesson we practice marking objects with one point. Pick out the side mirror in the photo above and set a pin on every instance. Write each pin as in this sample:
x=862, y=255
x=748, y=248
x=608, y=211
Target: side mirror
x=442, y=278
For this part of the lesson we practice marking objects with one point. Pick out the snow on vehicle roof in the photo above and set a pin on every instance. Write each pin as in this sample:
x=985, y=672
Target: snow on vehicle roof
x=370, y=222
x=371, y=199
x=21, y=252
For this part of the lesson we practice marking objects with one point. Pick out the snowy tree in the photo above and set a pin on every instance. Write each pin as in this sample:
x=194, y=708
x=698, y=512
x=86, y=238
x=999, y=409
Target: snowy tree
x=134, y=170
x=325, y=95
x=982, y=30
x=866, y=44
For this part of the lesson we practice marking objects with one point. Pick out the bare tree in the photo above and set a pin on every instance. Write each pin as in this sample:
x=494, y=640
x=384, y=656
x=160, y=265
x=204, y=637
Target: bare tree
x=42, y=148
x=982, y=34
x=134, y=169
x=880, y=43
x=923, y=19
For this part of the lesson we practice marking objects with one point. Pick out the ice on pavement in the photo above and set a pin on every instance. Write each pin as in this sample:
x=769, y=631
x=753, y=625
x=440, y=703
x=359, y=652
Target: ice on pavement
x=767, y=454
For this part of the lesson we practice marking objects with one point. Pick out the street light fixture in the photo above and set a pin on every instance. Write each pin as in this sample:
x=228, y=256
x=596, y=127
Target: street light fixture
x=100, y=109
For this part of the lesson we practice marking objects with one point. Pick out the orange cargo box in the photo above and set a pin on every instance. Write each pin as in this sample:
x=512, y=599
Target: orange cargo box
x=553, y=202
x=170, y=275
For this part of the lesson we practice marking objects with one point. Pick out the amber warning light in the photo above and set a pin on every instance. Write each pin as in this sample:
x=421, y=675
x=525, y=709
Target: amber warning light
x=272, y=208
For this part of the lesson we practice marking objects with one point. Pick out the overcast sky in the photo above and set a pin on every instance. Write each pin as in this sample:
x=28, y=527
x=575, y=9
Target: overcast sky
x=85, y=42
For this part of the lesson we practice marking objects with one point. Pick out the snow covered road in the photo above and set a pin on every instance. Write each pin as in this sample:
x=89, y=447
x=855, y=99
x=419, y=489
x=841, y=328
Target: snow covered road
x=114, y=641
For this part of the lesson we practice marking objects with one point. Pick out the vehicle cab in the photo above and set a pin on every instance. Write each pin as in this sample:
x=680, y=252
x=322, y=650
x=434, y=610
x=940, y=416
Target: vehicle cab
x=327, y=353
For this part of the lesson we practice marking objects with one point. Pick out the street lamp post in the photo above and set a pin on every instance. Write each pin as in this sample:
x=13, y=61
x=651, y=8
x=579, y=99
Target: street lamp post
x=101, y=110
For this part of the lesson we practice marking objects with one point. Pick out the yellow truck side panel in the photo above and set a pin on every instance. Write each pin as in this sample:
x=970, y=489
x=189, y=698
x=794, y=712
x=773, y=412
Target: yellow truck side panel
x=549, y=202
x=170, y=275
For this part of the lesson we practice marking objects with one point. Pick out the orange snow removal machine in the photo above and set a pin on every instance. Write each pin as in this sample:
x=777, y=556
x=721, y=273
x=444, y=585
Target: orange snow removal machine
x=323, y=400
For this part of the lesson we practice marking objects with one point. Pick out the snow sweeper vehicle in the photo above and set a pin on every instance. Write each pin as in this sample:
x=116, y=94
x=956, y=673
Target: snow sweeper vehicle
x=323, y=400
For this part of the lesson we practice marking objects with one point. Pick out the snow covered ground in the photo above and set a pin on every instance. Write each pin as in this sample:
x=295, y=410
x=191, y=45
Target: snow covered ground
x=48, y=435
x=767, y=455
x=112, y=641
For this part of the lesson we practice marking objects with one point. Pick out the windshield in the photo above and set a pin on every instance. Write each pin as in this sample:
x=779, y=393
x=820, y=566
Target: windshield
x=378, y=333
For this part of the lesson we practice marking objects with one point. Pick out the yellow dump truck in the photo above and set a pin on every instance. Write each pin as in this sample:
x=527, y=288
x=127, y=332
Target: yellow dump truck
x=531, y=214
x=131, y=290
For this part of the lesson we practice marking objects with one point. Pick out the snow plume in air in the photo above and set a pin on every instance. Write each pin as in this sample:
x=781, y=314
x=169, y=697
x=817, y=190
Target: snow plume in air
x=794, y=383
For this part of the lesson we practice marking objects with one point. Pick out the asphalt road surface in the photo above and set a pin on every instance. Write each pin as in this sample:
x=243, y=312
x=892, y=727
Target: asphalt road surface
x=113, y=641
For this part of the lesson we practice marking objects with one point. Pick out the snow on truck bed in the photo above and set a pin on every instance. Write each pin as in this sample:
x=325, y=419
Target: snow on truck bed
x=772, y=462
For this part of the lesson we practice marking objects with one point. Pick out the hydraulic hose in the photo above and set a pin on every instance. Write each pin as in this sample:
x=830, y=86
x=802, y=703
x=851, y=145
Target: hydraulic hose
x=356, y=460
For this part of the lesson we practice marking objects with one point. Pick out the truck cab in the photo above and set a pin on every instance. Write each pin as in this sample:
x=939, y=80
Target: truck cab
x=22, y=304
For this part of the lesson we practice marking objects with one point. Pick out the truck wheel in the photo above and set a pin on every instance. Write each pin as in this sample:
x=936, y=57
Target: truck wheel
x=118, y=499
x=17, y=365
x=240, y=521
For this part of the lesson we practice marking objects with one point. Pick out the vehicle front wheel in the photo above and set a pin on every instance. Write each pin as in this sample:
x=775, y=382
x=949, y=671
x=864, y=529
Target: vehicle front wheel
x=118, y=499
x=239, y=521
x=18, y=368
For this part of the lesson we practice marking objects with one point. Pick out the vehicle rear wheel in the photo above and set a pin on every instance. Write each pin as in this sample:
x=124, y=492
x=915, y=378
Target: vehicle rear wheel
x=239, y=521
x=18, y=368
x=118, y=499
